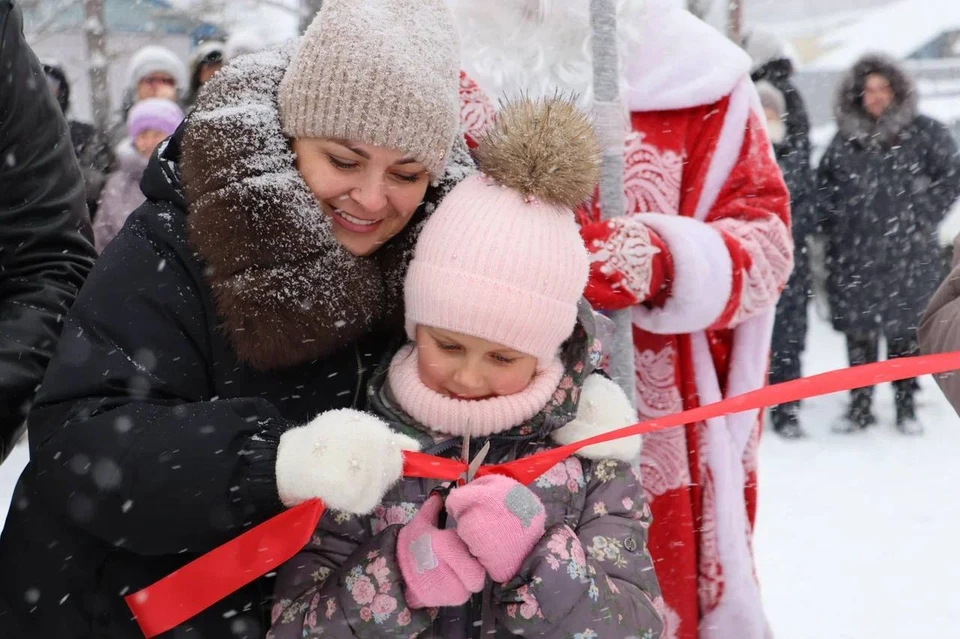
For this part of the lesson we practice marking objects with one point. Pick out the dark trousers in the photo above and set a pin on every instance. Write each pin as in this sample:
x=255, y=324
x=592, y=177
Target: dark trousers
x=789, y=337
x=865, y=349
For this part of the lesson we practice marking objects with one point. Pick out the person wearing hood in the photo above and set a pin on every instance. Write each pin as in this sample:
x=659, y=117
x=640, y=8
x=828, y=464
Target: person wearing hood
x=205, y=60
x=153, y=72
x=700, y=256
x=257, y=287
x=149, y=122
x=89, y=144
x=885, y=183
x=773, y=62
x=789, y=129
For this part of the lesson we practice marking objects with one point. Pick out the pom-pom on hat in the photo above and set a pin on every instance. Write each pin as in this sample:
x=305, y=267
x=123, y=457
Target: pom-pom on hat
x=502, y=258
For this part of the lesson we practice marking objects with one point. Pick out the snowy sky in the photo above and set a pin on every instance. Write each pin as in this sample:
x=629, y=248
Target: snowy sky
x=784, y=10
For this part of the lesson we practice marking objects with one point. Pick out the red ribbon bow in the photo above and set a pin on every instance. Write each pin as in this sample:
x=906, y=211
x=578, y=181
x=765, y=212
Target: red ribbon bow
x=208, y=579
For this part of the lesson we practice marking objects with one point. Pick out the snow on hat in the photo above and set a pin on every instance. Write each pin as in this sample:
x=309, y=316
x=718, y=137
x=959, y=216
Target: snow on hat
x=502, y=258
x=156, y=59
x=382, y=72
x=157, y=114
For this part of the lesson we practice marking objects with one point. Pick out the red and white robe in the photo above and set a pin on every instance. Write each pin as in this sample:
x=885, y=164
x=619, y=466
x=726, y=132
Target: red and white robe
x=701, y=256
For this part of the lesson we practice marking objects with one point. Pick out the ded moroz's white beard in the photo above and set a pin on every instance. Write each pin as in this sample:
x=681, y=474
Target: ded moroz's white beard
x=538, y=46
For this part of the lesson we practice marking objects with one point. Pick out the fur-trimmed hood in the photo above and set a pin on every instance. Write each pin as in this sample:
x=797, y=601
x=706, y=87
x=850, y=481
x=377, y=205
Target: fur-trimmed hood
x=855, y=123
x=287, y=292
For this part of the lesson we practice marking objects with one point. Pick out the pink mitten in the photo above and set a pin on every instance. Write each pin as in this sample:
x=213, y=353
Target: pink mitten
x=500, y=520
x=436, y=566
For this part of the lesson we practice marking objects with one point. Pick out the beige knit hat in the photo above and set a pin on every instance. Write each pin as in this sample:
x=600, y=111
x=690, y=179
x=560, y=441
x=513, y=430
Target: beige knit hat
x=381, y=72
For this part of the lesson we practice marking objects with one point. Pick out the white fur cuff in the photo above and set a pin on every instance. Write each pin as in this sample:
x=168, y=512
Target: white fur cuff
x=702, y=276
x=603, y=408
x=347, y=458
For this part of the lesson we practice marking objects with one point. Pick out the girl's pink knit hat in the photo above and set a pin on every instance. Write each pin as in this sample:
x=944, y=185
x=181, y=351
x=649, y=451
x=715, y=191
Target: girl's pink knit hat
x=501, y=258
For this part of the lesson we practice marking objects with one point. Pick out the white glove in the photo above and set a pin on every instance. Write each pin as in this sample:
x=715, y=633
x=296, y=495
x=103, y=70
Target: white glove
x=345, y=457
x=603, y=408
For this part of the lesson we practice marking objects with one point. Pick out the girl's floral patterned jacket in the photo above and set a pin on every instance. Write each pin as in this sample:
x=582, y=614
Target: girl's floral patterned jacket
x=590, y=576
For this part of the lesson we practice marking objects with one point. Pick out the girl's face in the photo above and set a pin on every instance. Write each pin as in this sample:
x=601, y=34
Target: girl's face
x=369, y=192
x=467, y=367
x=147, y=141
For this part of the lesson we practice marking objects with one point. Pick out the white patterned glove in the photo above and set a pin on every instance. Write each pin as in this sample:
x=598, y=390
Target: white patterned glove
x=347, y=458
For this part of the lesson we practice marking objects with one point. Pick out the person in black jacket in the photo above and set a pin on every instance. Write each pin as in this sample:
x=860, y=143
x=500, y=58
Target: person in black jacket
x=89, y=144
x=789, y=129
x=205, y=60
x=46, y=246
x=885, y=183
x=257, y=287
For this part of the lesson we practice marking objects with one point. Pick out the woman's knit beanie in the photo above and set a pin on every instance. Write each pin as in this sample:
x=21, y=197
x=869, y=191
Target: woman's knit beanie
x=502, y=258
x=381, y=72
x=156, y=114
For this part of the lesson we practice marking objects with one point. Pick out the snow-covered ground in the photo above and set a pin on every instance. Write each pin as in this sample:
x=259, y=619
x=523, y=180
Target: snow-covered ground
x=856, y=534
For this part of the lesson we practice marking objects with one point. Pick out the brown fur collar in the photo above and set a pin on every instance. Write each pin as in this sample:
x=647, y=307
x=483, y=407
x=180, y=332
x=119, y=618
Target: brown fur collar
x=853, y=120
x=285, y=289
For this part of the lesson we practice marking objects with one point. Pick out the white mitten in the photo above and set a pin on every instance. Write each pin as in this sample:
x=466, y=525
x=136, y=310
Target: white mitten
x=603, y=408
x=345, y=457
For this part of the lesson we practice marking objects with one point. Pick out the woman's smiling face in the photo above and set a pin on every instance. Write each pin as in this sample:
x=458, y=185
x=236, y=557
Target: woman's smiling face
x=369, y=192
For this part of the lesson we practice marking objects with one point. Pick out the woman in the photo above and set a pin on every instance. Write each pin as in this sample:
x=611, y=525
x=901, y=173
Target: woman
x=206, y=59
x=153, y=72
x=886, y=181
x=256, y=288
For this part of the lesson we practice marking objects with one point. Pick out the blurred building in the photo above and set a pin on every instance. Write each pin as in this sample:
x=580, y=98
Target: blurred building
x=55, y=30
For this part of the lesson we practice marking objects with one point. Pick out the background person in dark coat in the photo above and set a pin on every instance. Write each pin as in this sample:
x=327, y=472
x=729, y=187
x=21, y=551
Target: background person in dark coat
x=89, y=144
x=46, y=247
x=253, y=290
x=789, y=130
x=205, y=60
x=885, y=183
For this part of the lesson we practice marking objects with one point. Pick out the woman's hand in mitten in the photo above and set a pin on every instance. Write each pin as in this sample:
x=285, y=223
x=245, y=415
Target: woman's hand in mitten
x=500, y=520
x=347, y=458
x=437, y=568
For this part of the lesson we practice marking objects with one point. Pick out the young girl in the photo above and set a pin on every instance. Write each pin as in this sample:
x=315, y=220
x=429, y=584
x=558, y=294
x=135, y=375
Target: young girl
x=499, y=349
x=149, y=122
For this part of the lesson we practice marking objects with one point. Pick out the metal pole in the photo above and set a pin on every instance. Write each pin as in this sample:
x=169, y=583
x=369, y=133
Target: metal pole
x=735, y=20
x=97, y=62
x=611, y=131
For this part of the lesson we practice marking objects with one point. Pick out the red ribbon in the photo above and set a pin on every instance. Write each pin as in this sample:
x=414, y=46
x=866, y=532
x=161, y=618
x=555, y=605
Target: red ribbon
x=211, y=577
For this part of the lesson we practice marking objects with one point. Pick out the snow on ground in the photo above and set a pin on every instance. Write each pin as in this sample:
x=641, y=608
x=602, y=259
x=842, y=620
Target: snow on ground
x=856, y=534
